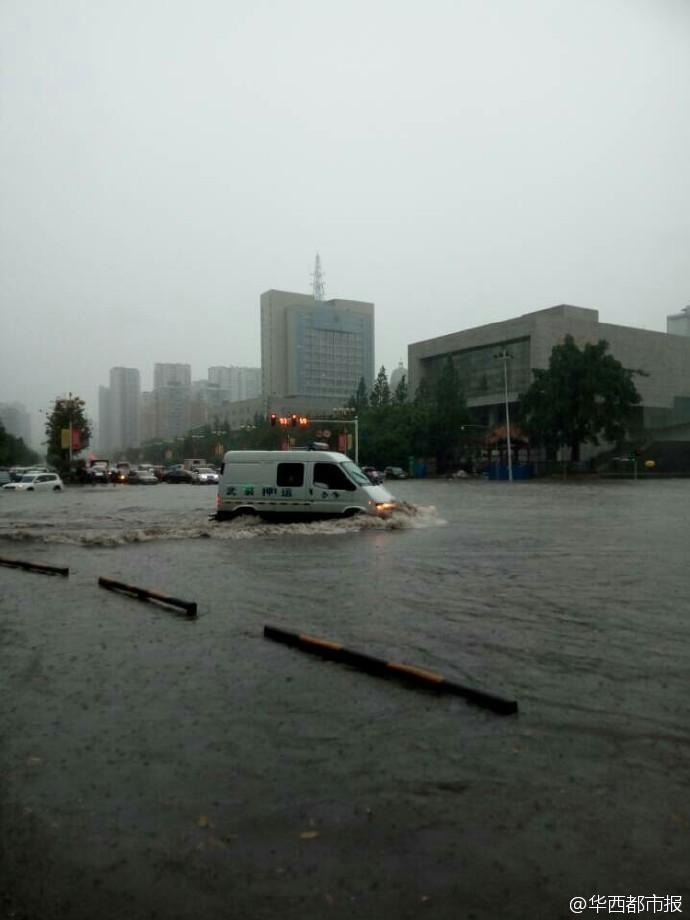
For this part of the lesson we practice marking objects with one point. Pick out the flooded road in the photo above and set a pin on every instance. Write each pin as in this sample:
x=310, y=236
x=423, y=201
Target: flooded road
x=156, y=766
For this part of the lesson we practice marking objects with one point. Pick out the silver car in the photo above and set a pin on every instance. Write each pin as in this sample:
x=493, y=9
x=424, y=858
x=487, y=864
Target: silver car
x=204, y=476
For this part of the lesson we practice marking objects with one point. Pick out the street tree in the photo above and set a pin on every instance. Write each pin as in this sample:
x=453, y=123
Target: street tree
x=448, y=414
x=359, y=401
x=584, y=394
x=381, y=394
x=67, y=415
x=401, y=391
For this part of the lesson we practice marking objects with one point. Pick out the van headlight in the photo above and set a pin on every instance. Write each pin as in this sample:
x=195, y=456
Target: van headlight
x=385, y=507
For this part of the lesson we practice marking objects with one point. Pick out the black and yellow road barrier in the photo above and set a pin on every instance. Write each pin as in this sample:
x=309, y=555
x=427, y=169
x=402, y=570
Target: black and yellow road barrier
x=35, y=566
x=144, y=594
x=420, y=677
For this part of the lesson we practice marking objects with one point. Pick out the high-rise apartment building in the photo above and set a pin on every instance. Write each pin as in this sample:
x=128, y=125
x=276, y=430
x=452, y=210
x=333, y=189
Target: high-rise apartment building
x=125, y=397
x=172, y=387
x=165, y=375
x=315, y=348
x=236, y=383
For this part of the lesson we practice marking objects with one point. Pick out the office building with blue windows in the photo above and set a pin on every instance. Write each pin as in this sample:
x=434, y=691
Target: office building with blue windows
x=315, y=349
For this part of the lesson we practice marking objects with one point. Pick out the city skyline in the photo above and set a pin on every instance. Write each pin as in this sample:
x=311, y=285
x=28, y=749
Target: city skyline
x=457, y=166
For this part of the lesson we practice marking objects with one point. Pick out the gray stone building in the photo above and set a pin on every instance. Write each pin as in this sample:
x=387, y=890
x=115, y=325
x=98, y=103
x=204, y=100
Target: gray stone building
x=529, y=340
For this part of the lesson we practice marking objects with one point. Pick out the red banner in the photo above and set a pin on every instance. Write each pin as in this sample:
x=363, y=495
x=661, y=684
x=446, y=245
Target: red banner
x=76, y=439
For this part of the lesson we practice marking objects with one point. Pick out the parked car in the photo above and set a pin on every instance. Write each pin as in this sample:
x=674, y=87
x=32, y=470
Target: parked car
x=179, y=474
x=142, y=478
x=37, y=482
x=5, y=477
x=205, y=476
x=395, y=472
x=98, y=474
x=373, y=475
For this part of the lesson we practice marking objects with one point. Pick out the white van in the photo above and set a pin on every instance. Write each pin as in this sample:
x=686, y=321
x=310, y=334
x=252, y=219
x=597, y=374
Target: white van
x=296, y=483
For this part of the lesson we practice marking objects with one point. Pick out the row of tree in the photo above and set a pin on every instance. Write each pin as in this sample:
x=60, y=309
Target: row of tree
x=584, y=394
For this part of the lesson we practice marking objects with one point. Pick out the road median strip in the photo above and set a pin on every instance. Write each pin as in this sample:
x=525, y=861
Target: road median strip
x=146, y=594
x=35, y=566
x=420, y=677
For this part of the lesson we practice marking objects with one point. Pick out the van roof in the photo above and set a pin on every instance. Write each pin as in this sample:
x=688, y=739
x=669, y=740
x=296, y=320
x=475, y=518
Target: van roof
x=286, y=456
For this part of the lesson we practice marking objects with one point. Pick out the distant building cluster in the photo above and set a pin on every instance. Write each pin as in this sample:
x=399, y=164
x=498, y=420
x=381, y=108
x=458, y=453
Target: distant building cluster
x=314, y=352
x=127, y=417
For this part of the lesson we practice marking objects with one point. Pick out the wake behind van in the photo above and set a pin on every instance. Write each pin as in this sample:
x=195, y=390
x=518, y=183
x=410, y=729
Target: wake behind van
x=295, y=483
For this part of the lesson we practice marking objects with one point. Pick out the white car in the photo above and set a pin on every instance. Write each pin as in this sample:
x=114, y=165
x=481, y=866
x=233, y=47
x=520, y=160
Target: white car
x=205, y=476
x=37, y=482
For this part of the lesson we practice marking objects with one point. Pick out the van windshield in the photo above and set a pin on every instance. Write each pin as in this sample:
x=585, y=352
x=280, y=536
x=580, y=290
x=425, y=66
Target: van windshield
x=355, y=474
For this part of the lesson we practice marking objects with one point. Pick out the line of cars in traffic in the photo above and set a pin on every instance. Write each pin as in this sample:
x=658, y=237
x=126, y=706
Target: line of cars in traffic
x=376, y=477
x=149, y=474
x=40, y=479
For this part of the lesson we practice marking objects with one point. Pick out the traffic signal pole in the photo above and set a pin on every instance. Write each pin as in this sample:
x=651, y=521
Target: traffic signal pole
x=301, y=420
x=342, y=421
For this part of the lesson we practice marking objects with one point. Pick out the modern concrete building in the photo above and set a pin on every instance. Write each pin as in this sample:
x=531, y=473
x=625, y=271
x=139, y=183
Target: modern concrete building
x=529, y=339
x=313, y=348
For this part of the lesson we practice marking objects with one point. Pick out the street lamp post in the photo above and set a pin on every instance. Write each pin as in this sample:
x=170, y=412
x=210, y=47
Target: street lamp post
x=505, y=356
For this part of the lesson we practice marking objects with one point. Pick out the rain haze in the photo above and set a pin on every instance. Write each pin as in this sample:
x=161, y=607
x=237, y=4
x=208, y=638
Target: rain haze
x=456, y=163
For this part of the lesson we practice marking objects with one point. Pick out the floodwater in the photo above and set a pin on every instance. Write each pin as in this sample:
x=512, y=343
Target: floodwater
x=159, y=766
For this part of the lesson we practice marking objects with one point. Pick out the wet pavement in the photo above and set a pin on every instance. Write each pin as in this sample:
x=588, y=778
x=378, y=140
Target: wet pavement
x=159, y=766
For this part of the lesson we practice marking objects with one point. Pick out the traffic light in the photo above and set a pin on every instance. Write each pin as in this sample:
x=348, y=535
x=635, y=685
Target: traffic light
x=274, y=419
x=293, y=421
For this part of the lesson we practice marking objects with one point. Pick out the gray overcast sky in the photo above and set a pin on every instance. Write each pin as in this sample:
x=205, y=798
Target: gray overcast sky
x=457, y=162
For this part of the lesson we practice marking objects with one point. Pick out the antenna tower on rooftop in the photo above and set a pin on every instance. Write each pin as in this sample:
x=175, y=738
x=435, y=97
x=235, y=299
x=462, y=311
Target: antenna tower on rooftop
x=317, y=283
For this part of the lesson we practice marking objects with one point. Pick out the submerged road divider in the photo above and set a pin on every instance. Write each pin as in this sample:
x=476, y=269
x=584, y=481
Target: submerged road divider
x=35, y=566
x=144, y=594
x=379, y=666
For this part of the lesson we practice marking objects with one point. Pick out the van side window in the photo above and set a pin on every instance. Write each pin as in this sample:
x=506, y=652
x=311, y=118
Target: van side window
x=290, y=474
x=332, y=476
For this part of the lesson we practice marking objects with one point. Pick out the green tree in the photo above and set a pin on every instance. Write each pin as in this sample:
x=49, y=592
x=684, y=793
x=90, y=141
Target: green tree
x=584, y=393
x=381, y=394
x=448, y=414
x=67, y=412
x=359, y=401
x=401, y=391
